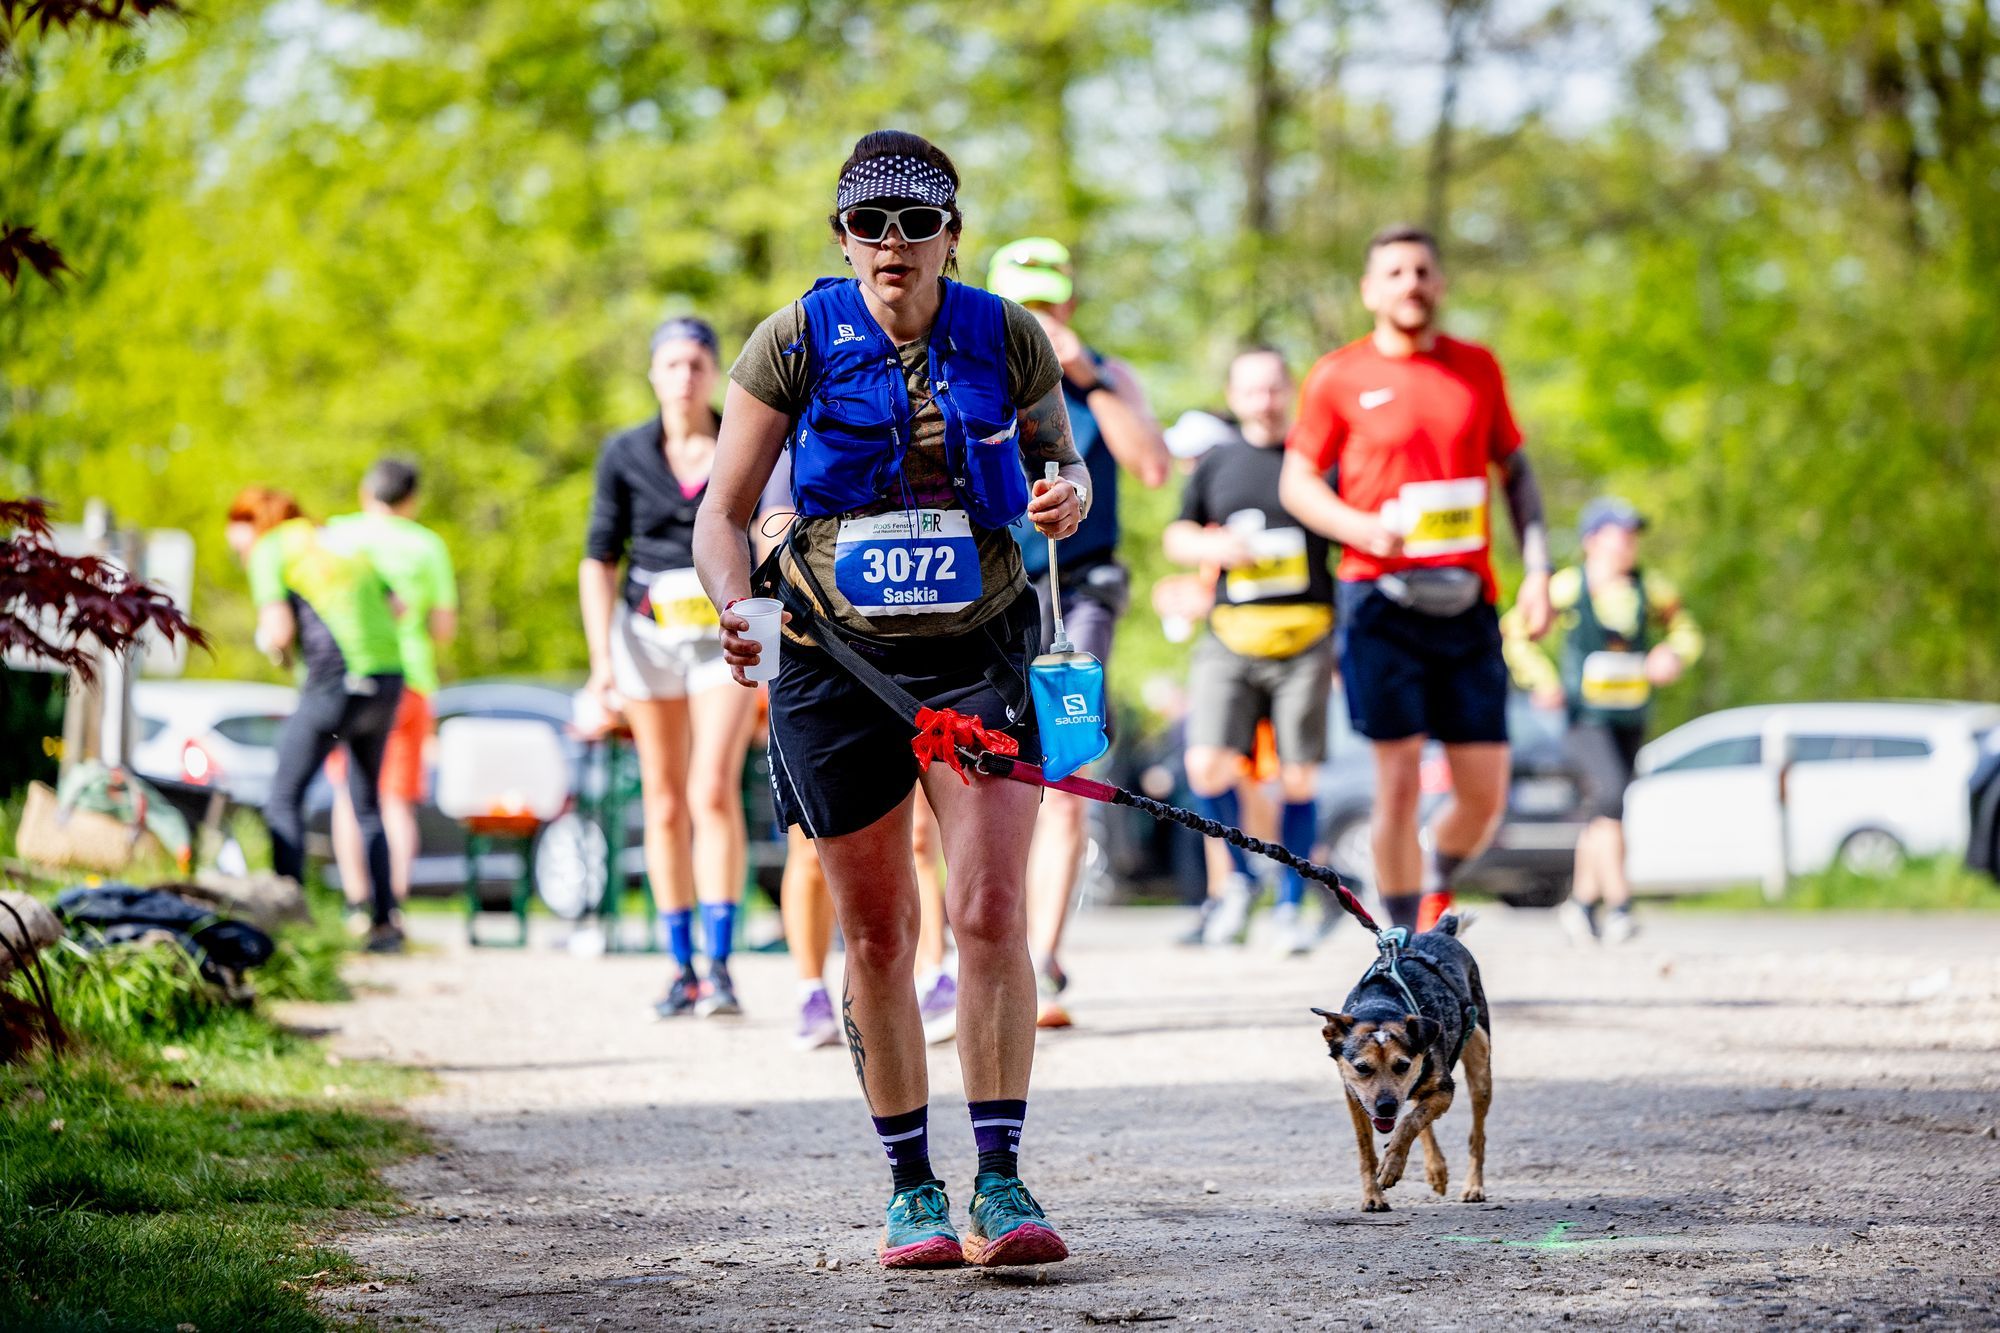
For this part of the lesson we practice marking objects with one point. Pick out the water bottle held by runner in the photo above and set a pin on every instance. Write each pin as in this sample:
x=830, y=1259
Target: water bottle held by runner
x=1068, y=689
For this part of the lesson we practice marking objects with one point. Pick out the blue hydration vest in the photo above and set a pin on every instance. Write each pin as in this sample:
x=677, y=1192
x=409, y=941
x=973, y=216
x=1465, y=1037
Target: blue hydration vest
x=1096, y=538
x=849, y=441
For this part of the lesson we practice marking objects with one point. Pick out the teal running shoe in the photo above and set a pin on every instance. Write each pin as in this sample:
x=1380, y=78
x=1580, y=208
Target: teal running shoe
x=919, y=1233
x=1008, y=1226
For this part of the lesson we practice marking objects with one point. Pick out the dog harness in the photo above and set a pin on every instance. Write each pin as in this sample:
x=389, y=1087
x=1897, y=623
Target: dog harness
x=1394, y=945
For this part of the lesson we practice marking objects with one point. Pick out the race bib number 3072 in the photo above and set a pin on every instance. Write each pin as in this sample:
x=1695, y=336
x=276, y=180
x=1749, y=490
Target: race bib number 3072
x=913, y=562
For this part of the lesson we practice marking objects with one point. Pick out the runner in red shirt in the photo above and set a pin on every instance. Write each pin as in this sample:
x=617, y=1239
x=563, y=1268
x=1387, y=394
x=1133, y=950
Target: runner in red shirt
x=1411, y=425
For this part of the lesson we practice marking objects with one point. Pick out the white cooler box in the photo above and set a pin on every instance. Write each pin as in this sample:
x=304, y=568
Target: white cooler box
x=505, y=768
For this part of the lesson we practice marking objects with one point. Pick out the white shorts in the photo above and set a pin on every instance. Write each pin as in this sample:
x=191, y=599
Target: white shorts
x=647, y=663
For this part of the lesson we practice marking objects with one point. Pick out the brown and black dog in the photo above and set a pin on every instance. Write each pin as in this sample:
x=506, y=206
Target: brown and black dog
x=1393, y=1061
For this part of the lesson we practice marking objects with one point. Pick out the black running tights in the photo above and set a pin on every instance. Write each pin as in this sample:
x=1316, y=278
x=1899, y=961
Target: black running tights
x=328, y=715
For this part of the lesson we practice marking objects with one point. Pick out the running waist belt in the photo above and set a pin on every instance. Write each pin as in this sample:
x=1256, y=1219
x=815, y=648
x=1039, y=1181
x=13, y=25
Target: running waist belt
x=1446, y=591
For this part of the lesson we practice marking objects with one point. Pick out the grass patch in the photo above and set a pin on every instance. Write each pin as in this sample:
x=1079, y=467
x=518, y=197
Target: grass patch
x=306, y=965
x=1936, y=884
x=173, y=1166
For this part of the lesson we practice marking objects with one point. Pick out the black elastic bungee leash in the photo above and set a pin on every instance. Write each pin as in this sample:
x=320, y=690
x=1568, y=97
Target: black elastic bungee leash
x=831, y=640
x=995, y=765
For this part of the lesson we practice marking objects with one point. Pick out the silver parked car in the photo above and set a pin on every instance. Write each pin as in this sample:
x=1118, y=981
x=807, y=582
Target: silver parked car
x=219, y=734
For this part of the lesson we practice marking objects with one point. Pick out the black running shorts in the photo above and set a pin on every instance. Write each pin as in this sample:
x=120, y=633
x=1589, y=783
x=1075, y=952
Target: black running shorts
x=1411, y=674
x=841, y=758
x=1603, y=754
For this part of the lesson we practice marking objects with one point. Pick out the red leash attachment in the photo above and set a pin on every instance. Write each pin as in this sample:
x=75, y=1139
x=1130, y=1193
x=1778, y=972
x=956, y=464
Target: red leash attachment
x=942, y=732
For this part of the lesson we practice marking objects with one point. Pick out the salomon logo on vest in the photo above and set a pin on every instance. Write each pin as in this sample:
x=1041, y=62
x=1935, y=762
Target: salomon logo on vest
x=847, y=335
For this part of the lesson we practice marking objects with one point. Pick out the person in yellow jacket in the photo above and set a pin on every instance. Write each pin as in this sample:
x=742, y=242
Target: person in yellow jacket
x=1623, y=633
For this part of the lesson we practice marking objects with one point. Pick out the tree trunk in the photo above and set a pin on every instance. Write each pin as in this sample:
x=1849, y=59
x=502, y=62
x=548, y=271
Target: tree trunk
x=1258, y=220
x=1460, y=17
x=1054, y=63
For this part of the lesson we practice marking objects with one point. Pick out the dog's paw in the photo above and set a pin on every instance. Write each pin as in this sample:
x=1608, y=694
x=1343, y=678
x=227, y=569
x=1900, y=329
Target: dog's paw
x=1375, y=1204
x=1437, y=1175
x=1391, y=1171
x=1470, y=1194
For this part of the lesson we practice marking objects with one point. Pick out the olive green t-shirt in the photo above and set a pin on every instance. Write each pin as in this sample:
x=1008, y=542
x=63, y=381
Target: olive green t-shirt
x=781, y=382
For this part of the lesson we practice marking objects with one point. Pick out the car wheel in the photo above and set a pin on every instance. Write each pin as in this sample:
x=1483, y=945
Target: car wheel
x=569, y=865
x=1871, y=851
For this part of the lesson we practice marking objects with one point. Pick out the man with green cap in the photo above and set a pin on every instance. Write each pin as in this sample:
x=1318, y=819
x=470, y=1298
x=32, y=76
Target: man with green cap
x=1113, y=428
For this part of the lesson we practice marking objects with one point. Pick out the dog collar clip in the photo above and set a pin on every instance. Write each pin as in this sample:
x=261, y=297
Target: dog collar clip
x=1392, y=942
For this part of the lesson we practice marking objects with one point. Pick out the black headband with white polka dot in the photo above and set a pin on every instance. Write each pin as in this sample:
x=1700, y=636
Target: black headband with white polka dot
x=893, y=178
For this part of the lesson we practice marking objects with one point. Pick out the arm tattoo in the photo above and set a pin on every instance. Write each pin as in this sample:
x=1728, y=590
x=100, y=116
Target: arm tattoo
x=1045, y=435
x=1524, y=506
x=855, y=1051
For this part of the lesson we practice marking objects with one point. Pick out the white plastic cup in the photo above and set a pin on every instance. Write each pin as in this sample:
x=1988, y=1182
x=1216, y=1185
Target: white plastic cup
x=765, y=617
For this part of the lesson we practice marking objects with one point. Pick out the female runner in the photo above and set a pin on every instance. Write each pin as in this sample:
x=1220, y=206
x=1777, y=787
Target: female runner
x=912, y=405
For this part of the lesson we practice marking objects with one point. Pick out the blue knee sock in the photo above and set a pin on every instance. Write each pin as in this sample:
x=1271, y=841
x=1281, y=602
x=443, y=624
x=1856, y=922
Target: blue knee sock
x=1223, y=808
x=679, y=927
x=718, y=929
x=1299, y=826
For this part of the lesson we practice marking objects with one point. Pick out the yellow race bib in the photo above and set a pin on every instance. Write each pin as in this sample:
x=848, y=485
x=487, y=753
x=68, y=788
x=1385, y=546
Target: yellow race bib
x=1443, y=517
x=1278, y=569
x=680, y=607
x=1615, y=682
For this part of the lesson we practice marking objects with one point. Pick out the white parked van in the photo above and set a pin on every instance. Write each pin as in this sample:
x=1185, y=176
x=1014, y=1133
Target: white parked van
x=1868, y=785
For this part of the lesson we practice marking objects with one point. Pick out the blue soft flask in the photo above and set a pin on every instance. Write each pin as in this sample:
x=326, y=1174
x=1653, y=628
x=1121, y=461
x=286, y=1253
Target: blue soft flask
x=1069, y=692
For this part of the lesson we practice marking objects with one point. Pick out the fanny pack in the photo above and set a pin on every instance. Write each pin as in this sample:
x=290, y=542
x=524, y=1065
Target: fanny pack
x=1443, y=592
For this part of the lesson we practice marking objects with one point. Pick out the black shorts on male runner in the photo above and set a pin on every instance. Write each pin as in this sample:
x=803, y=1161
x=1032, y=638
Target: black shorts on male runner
x=841, y=759
x=1411, y=674
x=1604, y=755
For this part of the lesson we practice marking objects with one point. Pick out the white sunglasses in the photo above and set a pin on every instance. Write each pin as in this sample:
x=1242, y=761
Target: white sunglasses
x=870, y=225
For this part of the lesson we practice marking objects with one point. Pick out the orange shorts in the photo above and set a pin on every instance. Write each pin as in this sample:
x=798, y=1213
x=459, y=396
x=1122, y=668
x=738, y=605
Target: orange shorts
x=403, y=758
x=1264, y=763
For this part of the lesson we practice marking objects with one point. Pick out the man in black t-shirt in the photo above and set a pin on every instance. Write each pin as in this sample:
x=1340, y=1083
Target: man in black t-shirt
x=1268, y=655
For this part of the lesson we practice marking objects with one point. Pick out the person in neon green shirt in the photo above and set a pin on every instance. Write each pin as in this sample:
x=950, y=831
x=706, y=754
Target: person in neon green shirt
x=417, y=565
x=334, y=612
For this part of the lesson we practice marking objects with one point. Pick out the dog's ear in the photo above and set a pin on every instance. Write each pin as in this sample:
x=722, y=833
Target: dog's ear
x=1419, y=1033
x=1336, y=1029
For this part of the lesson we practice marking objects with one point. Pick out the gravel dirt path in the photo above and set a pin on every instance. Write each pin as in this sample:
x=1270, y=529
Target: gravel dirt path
x=1730, y=1123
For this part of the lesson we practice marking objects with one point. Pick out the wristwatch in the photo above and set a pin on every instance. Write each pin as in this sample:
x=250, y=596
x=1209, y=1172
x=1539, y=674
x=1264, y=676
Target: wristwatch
x=1101, y=381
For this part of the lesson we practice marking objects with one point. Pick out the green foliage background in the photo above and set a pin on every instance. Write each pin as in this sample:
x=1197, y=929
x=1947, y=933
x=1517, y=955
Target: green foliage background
x=1755, y=293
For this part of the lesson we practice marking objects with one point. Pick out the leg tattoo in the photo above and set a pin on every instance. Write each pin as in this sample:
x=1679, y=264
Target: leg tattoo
x=855, y=1051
